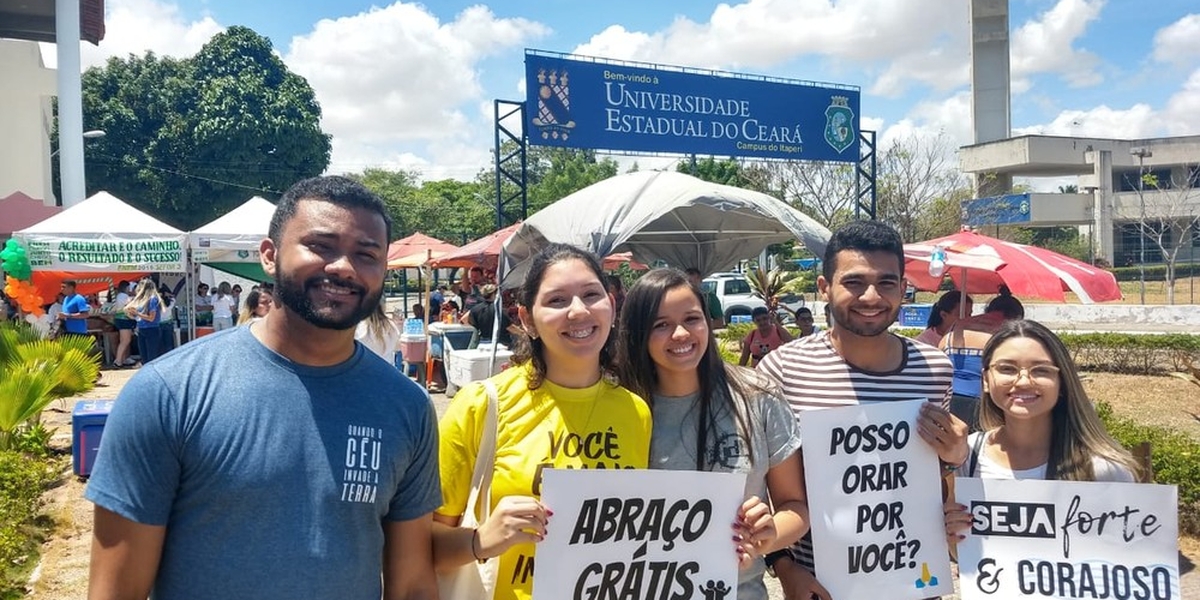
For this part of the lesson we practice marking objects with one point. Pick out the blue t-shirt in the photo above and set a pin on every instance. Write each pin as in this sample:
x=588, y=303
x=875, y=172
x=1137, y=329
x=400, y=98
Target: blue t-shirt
x=273, y=479
x=154, y=306
x=73, y=305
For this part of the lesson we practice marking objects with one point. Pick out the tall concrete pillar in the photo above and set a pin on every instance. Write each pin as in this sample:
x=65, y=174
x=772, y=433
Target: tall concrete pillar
x=1102, y=211
x=991, y=108
x=70, y=102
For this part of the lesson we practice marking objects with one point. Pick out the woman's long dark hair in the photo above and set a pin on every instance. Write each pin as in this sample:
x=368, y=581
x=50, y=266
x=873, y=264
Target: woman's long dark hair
x=531, y=349
x=720, y=384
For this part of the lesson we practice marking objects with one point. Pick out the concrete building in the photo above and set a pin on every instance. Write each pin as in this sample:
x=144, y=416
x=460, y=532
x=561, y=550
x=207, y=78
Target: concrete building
x=1113, y=203
x=26, y=120
x=1110, y=200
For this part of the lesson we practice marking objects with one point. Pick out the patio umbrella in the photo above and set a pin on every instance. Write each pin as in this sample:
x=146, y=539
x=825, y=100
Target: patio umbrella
x=414, y=244
x=1029, y=271
x=612, y=262
x=484, y=252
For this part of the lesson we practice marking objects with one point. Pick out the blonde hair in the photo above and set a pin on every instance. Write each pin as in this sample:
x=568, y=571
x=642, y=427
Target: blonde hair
x=1077, y=435
x=378, y=324
x=145, y=291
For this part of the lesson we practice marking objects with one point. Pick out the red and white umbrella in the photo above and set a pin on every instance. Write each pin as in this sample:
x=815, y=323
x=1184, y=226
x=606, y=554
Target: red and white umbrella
x=1028, y=271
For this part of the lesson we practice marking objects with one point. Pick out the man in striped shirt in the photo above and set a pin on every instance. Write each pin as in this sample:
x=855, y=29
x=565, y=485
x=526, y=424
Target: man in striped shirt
x=858, y=360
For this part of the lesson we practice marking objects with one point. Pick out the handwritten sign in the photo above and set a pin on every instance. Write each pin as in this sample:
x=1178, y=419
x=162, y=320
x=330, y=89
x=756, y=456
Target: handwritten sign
x=1069, y=539
x=874, y=492
x=638, y=534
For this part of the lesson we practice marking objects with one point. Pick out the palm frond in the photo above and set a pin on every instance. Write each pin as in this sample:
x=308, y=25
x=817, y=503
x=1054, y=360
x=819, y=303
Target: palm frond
x=24, y=393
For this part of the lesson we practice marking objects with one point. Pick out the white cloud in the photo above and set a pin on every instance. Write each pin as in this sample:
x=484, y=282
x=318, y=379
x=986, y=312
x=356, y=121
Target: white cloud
x=135, y=26
x=762, y=34
x=1182, y=114
x=396, y=75
x=1046, y=44
x=1179, y=42
x=1137, y=121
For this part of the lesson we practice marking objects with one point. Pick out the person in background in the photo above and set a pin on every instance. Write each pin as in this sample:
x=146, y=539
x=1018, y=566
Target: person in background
x=258, y=303
x=804, y=322
x=125, y=327
x=716, y=314
x=146, y=307
x=964, y=345
x=449, y=311
x=418, y=311
x=203, y=298
x=74, y=309
x=436, y=297
x=469, y=290
x=943, y=315
x=223, y=307
x=379, y=335
x=766, y=336
x=482, y=317
x=282, y=459
x=236, y=292
x=1038, y=422
x=166, y=326
x=562, y=382
x=709, y=416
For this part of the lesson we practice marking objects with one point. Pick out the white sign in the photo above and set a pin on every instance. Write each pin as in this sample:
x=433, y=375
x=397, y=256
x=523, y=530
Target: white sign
x=1069, y=539
x=638, y=534
x=874, y=494
x=140, y=255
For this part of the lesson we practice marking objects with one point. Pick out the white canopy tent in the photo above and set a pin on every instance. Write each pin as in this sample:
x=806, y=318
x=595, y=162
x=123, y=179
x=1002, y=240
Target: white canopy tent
x=668, y=216
x=104, y=234
x=235, y=236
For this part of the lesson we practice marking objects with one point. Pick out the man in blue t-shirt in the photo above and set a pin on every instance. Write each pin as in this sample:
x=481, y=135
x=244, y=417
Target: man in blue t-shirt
x=75, y=309
x=279, y=460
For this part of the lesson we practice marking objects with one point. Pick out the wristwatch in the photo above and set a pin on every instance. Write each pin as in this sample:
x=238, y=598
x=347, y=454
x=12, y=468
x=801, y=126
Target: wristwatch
x=772, y=557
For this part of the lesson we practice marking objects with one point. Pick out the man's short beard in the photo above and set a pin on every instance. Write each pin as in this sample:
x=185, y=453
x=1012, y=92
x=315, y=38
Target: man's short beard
x=294, y=296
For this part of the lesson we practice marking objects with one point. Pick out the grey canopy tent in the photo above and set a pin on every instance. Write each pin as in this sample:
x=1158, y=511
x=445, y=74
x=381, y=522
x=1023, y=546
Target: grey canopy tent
x=661, y=215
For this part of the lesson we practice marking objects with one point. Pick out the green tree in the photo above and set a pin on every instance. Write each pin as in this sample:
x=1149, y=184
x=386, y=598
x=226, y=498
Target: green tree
x=550, y=174
x=188, y=140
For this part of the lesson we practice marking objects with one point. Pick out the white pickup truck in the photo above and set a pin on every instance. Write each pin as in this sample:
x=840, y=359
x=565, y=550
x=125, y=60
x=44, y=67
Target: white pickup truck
x=736, y=298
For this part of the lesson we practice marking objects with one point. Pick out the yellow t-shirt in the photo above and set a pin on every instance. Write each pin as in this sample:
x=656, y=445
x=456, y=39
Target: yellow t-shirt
x=604, y=426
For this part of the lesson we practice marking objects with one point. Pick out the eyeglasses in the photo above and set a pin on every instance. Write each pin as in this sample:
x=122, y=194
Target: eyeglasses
x=1008, y=374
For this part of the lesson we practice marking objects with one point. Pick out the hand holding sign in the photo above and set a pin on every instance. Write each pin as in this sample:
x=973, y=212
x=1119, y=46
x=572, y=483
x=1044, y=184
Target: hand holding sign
x=754, y=531
x=945, y=432
x=515, y=520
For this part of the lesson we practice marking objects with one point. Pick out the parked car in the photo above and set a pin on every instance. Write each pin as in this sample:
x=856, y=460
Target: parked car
x=737, y=300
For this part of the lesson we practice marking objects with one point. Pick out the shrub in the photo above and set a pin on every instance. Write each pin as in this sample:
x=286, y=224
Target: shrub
x=22, y=481
x=1155, y=272
x=1174, y=457
x=1145, y=354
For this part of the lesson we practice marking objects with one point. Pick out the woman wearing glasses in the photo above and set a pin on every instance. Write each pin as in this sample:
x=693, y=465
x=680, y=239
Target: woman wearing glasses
x=1037, y=421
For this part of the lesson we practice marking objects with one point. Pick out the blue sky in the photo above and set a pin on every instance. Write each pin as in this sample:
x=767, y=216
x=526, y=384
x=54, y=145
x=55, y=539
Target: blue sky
x=408, y=85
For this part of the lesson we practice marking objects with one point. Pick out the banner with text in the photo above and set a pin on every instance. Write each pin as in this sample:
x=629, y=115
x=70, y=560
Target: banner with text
x=638, y=534
x=165, y=255
x=1069, y=539
x=875, y=495
x=606, y=105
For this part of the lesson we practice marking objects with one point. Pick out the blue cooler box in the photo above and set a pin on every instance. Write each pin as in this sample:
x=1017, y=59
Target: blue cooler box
x=87, y=427
x=915, y=315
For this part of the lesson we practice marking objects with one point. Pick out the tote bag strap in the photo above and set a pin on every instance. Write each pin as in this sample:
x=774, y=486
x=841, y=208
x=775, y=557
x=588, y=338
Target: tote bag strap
x=485, y=462
x=977, y=447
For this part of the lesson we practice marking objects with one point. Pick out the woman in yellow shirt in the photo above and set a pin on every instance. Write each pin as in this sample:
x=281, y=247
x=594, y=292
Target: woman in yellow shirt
x=559, y=407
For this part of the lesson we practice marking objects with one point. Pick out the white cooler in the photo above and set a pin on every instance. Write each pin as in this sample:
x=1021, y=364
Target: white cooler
x=465, y=366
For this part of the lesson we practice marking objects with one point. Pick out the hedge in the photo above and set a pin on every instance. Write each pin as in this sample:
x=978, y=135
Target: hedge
x=1174, y=457
x=1155, y=272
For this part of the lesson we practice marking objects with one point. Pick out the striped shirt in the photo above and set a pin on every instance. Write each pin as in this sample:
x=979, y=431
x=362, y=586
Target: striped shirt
x=812, y=375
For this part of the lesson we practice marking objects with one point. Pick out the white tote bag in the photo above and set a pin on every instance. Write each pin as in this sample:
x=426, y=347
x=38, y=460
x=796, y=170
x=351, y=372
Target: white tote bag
x=477, y=580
